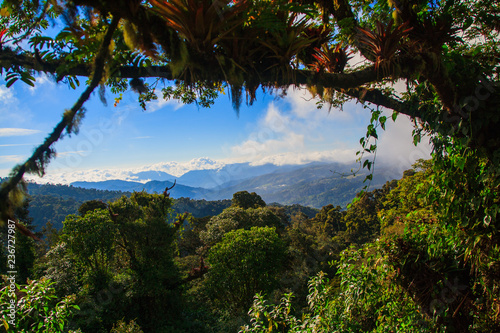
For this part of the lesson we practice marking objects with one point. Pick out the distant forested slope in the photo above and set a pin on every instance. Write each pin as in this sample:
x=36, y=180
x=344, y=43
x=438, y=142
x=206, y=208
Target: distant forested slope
x=78, y=193
x=54, y=202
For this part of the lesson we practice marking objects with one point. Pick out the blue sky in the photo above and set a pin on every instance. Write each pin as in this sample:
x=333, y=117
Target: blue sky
x=285, y=130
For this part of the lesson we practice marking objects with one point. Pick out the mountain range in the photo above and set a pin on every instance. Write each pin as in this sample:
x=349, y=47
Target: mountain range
x=314, y=185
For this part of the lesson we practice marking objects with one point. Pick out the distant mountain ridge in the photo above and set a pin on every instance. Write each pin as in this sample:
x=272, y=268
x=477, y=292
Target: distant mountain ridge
x=154, y=186
x=229, y=173
x=111, y=185
x=314, y=185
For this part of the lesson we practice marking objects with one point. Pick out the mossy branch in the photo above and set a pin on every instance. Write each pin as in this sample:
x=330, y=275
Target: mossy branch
x=377, y=97
x=43, y=153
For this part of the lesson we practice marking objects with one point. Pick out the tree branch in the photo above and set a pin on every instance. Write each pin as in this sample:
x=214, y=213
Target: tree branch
x=9, y=59
x=43, y=152
x=376, y=97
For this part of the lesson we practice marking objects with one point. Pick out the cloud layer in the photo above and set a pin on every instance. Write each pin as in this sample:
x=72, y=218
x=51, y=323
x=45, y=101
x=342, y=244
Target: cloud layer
x=176, y=169
x=17, y=131
x=291, y=127
x=296, y=132
x=290, y=131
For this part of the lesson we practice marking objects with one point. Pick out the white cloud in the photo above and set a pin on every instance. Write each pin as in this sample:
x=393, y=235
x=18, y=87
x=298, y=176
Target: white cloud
x=9, y=106
x=66, y=153
x=274, y=120
x=179, y=168
x=302, y=103
x=66, y=177
x=255, y=148
x=304, y=106
x=276, y=132
x=296, y=132
x=17, y=144
x=293, y=125
x=5, y=172
x=357, y=60
x=6, y=95
x=61, y=174
x=160, y=103
x=11, y=158
x=336, y=155
x=17, y=131
x=395, y=148
x=42, y=81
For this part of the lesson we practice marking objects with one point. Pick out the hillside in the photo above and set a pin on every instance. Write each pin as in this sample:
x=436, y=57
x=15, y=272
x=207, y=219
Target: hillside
x=153, y=186
x=314, y=185
x=230, y=174
x=54, y=202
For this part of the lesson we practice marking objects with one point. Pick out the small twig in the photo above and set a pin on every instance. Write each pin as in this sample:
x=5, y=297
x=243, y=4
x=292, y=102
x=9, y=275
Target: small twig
x=461, y=303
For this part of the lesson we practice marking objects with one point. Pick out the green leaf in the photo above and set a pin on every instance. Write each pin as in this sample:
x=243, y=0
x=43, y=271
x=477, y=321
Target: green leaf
x=394, y=115
x=382, y=120
x=460, y=162
x=28, y=81
x=353, y=201
x=11, y=75
x=367, y=164
x=11, y=82
x=416, y=139
x=375, y=115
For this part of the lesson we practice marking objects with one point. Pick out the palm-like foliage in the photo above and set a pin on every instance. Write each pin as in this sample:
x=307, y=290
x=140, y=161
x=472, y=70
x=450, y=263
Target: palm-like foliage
x=432, y=33
x=320, y=36
x=284, y=46
x=383, y=43
x=330, y=59
x=203, y=23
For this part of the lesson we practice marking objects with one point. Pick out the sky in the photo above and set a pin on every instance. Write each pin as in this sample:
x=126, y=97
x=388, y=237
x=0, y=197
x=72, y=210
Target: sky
x=279, y=130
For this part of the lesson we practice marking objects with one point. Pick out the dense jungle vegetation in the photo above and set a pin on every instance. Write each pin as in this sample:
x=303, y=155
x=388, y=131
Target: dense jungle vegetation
x=385, y=263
